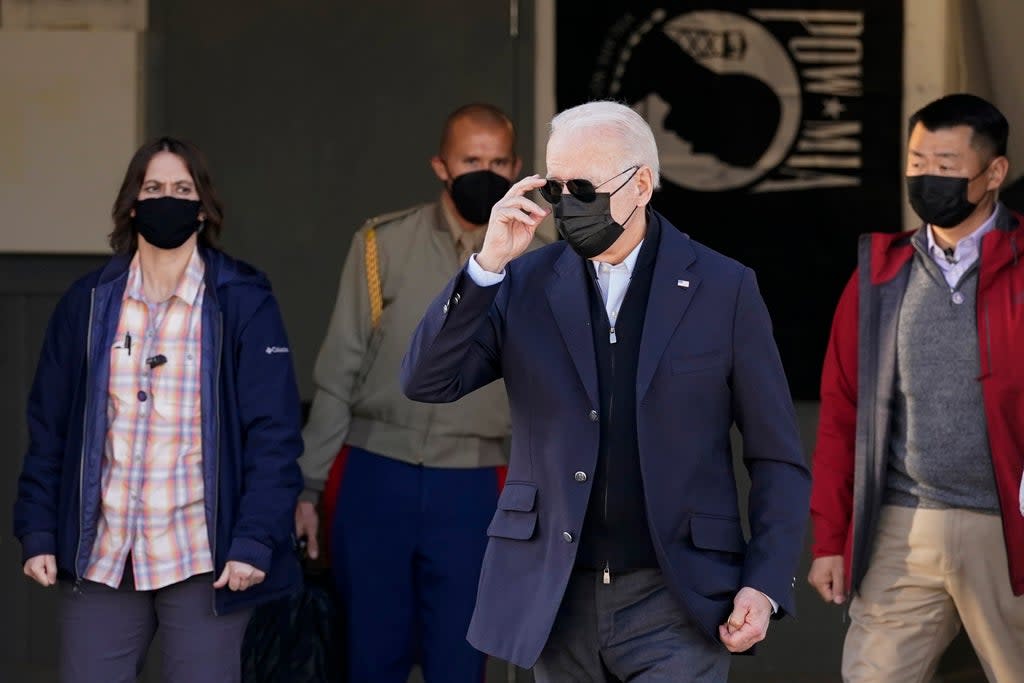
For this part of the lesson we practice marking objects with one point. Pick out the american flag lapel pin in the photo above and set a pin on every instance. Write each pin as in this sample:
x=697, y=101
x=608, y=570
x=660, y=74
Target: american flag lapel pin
x=683, y=283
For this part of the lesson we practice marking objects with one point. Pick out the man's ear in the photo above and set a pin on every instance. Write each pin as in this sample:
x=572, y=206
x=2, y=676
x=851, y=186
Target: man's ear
x=440, y=170
x=644, y=185
x=997, y=172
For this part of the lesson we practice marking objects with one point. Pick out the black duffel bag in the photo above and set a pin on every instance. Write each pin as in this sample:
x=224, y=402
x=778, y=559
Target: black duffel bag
x=298, y=639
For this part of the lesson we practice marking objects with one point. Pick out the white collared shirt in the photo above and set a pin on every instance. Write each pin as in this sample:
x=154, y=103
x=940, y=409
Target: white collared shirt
x=613, y=281
x=965, y=253
x=485, y=278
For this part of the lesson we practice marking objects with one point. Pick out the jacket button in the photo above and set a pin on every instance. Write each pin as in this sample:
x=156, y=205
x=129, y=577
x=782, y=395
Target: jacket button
x=567, y=537
x=580, y=477
x=593, y=416
x=142, y=396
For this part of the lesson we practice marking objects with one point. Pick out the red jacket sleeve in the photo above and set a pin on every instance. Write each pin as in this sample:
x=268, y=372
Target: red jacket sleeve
x=833, y=461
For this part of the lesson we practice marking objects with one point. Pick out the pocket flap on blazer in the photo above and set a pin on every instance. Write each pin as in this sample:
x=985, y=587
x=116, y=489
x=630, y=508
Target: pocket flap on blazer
x=518, y=526
x=518, y=496
x=717, y=533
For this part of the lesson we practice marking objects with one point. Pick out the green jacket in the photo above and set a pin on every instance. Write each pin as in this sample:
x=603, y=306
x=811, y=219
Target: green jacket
x=358, y=400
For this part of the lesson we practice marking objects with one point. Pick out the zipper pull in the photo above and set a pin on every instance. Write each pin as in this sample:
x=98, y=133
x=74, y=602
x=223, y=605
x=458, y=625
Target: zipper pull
x=611, y=336
x=606, y=578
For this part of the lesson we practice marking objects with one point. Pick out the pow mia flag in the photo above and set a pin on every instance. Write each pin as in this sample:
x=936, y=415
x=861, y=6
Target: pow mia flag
x=779, y=126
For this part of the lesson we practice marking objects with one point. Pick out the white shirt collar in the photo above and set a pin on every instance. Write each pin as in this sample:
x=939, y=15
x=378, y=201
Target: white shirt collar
x=970, y=245
x=629, y=262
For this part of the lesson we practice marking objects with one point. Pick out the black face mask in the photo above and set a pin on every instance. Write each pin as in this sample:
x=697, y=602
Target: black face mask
x=167, y=222
x=476, y=193
x=941, y=200
x=588, y=227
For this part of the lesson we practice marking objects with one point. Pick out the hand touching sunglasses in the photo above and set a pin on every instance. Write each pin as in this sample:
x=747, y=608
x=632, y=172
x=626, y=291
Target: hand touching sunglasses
x=581, y=189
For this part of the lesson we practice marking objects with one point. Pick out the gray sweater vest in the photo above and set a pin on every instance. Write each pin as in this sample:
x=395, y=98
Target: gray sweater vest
x=939, y=455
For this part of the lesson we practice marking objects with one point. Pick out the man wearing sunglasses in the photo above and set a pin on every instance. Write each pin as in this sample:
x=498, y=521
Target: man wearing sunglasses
x=628, y=351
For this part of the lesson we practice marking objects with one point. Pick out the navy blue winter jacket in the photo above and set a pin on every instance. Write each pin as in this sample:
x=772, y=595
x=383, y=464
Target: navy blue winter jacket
x=250, y=428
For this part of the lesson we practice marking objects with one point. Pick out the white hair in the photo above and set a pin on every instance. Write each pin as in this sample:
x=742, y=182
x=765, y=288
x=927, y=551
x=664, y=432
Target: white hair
x=631, y=130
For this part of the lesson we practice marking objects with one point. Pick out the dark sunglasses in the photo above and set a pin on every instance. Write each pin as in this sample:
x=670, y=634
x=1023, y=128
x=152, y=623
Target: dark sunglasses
x=583, y=190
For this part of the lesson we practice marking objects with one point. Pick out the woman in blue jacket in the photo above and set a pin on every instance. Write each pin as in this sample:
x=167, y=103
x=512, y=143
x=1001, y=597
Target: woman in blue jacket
x=160, y=479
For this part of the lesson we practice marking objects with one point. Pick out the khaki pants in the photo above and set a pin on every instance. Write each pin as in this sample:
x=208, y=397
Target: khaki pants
x=932, y=570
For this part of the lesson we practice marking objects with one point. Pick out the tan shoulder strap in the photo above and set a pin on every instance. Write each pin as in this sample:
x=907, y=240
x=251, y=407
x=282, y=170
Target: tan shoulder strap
x=373, y=276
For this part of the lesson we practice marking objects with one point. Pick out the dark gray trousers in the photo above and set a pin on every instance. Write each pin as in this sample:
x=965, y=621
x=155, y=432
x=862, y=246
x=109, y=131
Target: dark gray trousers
x=633, y=630
x=105, y=633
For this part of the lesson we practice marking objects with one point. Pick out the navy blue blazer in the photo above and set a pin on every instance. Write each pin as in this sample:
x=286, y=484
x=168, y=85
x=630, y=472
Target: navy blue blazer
x=707, y=361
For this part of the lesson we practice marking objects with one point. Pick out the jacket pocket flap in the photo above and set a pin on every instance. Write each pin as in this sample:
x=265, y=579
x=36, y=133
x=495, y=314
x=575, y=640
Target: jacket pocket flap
x=518, y=526
x=717, y=533
x=517, y=496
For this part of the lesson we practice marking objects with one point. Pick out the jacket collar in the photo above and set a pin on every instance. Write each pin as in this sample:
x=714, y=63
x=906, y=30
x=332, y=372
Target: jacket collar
x=220, y=270
x=673, y=287
x=1004, y=245
x=569, y=261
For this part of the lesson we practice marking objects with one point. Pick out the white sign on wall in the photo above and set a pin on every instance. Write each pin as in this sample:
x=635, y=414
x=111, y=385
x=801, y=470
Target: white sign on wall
x=126, y=15
x=69, y=123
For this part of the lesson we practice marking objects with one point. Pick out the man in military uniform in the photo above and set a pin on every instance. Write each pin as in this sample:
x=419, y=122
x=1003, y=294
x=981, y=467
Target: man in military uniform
x=418, y=483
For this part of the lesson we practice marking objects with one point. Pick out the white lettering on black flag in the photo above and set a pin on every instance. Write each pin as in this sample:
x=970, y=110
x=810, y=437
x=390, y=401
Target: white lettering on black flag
x=779, y=127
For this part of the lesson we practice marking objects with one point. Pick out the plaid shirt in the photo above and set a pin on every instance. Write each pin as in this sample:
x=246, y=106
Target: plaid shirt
x=152, y=503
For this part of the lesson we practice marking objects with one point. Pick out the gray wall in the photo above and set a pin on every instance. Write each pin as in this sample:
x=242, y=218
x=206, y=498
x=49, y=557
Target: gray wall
x=318, y=115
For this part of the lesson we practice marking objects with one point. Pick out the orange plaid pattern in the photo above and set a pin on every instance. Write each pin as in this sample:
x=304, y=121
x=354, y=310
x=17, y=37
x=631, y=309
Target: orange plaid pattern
x=152, y=503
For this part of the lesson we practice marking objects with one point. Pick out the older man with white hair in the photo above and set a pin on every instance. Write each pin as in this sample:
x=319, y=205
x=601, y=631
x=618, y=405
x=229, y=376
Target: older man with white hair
x=628, y=351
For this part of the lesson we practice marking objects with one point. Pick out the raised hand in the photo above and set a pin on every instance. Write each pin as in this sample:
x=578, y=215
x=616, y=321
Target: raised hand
x=514, y=219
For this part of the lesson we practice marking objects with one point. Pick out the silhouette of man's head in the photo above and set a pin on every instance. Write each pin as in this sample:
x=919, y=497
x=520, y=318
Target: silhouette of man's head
x=733, y=117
